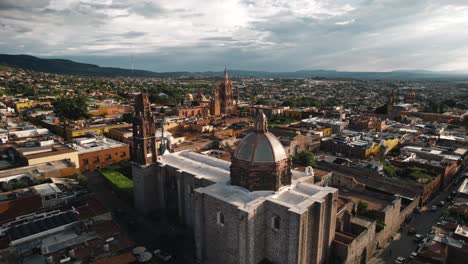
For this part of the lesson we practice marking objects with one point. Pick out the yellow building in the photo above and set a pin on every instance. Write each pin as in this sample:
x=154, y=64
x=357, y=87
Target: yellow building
x=293, y=113
x=99, y=130
x=20, y=106
x=37, y=155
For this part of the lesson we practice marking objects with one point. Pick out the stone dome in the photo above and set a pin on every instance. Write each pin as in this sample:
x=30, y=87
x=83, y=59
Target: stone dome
x=260, y=162
x=260, y=145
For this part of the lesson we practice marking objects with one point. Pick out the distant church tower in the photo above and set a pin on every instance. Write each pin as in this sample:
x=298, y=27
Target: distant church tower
x=215, y=105
x=144, y=155
x=391, y=104
x=225, y=94
x=410, y=97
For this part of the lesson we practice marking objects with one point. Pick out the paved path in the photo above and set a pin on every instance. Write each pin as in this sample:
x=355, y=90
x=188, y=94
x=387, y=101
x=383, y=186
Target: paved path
x=405, y=245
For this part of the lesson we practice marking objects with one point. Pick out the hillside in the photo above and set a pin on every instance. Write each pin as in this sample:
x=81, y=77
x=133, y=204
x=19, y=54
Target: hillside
x=61, y=66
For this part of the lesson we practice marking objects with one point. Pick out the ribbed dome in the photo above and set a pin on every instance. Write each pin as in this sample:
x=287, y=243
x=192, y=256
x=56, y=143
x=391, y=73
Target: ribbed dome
x=260, y=145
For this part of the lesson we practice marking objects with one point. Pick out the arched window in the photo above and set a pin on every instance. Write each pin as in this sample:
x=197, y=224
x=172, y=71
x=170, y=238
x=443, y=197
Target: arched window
x=276, y=222
x=220, y=218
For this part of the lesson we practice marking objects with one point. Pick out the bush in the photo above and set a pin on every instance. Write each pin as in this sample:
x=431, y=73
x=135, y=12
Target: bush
x=120, y=183
x=117, y=179
x=305, y=158
x=362, y=208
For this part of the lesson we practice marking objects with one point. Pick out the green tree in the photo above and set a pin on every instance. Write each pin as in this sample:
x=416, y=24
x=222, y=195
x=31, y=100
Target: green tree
x=362, y=208
x=390, y=170
x=381, y=110
x=305, y=158
x=71, y=108
x=127, y=117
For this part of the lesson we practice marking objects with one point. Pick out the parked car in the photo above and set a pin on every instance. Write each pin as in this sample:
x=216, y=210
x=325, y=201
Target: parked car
x=400, y=260
x=441, y=203
x=162, y=255
x=418, y=237
x=433, y=208
x=412, y=231
x=413, y=255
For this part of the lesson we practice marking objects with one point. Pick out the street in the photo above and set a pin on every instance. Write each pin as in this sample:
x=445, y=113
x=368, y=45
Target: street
x=404, y=244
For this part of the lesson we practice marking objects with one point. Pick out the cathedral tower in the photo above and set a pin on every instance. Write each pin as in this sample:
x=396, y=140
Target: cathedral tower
x=144, y=156
x=144, y=131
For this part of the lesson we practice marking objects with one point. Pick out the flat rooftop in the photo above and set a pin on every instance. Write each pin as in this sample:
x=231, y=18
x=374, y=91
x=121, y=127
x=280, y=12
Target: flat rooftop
x=374, y=201
x=202, y=166
x=85, y=145
x=37, y=170
x=464, y=187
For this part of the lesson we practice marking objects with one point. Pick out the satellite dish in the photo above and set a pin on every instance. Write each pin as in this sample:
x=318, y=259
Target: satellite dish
x=144, y=257
x=138, y=250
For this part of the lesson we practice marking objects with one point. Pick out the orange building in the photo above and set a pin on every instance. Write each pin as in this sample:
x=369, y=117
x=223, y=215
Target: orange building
x=197, y=111
x=110, y=111
x=100, y=153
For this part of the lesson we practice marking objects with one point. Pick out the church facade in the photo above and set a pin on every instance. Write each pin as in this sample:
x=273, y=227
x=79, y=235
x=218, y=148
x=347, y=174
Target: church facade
x=252, y=209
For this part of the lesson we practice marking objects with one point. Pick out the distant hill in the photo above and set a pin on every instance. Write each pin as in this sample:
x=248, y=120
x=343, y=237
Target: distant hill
x=61, y=66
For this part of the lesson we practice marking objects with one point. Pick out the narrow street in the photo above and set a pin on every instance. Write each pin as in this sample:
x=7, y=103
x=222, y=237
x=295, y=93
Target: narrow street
x=404, y=244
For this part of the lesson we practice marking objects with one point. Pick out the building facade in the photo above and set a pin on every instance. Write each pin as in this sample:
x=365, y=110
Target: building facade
x=265, y=212
x=222, y=102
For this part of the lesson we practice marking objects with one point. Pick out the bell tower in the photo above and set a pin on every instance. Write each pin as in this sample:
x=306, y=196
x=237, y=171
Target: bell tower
x=144, y=157
x=144, y=132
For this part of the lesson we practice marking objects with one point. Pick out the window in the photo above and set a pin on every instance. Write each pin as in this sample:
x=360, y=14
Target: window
x=220, y=218
x=85, y=162
x=275, y=222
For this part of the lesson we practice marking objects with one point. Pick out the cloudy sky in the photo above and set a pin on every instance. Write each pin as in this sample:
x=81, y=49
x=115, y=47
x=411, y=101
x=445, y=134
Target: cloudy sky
x=273, y=35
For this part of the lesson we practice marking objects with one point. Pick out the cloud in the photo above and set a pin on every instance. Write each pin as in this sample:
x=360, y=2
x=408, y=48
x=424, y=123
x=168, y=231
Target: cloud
x=245, y=34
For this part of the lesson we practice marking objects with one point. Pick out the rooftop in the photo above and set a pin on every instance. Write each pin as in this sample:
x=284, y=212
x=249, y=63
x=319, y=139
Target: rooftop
x=202, y=166
x=36, y=171
x=85, y=145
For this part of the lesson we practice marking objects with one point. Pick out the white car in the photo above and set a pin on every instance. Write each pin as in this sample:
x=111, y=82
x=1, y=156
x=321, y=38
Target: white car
x=418, y=237
x=400, y=260
x=413, y=255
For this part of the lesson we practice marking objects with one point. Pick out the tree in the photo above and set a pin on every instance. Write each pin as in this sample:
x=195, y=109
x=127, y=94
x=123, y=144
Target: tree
x=390, y=170
x=71, y=108
x=381, y=110
x=362, y=208
x=127, y=117
x=305, y=158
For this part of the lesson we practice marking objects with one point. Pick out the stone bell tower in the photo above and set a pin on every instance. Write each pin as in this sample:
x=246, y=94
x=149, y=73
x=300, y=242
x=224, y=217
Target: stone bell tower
x=144, y=156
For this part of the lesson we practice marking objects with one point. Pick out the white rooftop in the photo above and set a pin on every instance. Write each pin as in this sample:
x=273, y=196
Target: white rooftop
x=46, y=189
x=84, y=145
x=298, y=196
x=464, y=187
x=202, y=166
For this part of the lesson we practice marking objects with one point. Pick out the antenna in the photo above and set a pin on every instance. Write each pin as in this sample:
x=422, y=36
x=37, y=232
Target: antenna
x=132, y=65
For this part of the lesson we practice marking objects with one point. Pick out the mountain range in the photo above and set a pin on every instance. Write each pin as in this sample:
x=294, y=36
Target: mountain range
x=68, y=67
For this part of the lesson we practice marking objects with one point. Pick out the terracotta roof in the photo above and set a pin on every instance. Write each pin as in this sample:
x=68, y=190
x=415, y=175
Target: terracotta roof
x=119, y=259
x=91, y=209
x=20, y=206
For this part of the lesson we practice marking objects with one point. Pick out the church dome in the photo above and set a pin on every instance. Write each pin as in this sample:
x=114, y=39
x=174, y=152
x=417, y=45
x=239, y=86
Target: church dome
x=260, y=162
x=260, y=145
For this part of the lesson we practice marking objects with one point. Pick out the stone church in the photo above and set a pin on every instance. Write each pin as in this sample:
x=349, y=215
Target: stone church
x=222, y=99
x=252, y=209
